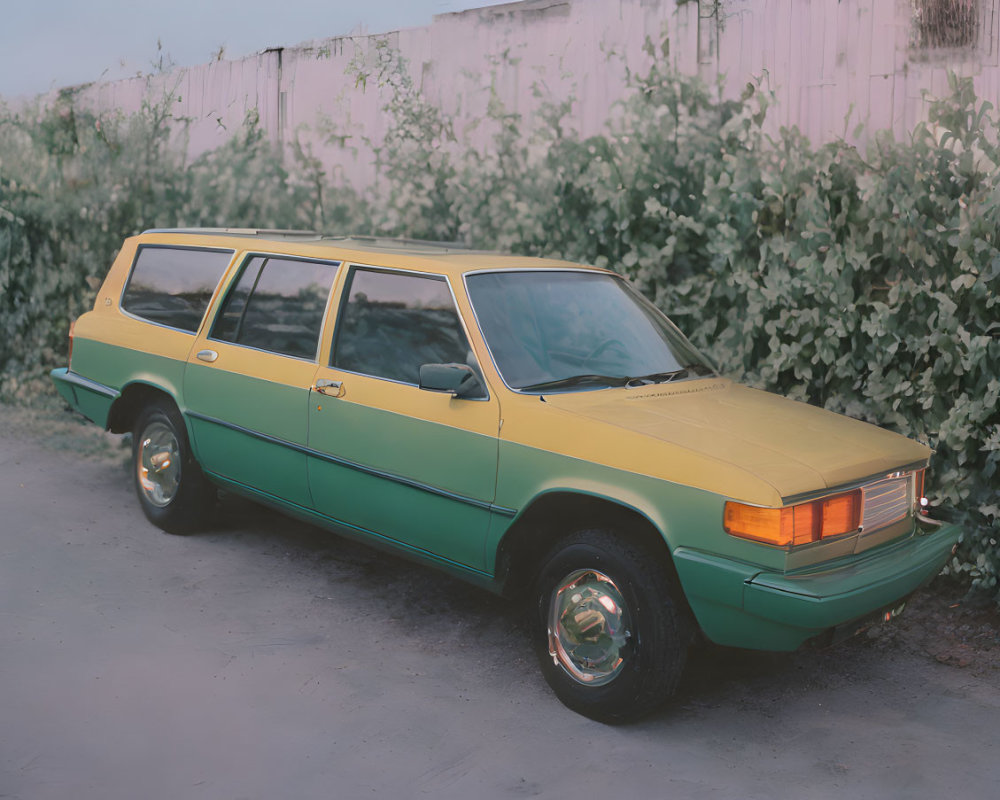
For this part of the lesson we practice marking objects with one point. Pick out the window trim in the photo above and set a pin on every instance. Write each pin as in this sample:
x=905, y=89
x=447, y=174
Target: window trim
x=248, y=256
x=211, y=299
x=345, y=294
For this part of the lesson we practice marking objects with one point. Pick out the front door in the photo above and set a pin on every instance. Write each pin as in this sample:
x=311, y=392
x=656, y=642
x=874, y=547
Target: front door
x=410, y=465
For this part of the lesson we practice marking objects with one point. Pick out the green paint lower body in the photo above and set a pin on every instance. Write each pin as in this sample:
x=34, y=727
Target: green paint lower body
x=374, y=538
x=91, y=399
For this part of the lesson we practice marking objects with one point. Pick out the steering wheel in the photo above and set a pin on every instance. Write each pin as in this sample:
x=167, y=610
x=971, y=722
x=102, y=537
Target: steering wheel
x=607, y=344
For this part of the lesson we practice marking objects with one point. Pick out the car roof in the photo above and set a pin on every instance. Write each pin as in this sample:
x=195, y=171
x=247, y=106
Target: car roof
x=447, y=257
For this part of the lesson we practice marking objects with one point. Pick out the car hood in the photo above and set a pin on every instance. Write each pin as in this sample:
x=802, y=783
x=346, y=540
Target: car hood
x=795, y=448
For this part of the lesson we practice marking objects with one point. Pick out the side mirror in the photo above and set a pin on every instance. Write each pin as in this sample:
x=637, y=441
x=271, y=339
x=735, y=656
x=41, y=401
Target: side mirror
x=460, y=380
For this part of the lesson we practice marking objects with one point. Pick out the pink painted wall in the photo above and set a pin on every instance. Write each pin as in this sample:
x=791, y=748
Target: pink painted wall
x=832, y=65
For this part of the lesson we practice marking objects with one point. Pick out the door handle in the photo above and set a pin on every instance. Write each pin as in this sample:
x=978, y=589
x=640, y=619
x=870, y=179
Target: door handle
x=330, y=388
x=207, y=355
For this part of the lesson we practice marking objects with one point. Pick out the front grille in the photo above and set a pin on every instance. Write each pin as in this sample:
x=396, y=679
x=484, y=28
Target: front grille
x=885, y=502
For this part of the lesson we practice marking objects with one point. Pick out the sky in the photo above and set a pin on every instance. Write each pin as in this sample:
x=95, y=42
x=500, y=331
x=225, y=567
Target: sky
x=49, y=44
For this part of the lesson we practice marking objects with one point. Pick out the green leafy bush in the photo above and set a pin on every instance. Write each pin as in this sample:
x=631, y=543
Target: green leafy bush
x=865, y=282
x=74, y=184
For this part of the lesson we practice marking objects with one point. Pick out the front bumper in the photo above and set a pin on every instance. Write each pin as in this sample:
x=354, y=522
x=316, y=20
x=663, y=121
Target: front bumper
x=738, y=605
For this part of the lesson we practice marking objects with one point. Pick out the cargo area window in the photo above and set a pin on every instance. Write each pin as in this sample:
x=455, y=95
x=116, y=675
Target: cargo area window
x=391, y=323
x=173, y=285
x=278, y=305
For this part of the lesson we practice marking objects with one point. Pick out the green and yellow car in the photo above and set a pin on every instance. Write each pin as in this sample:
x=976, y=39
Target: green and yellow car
x=531, y=425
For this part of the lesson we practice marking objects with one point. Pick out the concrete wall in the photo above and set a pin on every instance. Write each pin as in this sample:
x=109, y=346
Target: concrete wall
x=832, y=64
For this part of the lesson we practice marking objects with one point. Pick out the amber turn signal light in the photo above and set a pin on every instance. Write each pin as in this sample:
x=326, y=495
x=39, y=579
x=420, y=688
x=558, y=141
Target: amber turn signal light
x=798, y=524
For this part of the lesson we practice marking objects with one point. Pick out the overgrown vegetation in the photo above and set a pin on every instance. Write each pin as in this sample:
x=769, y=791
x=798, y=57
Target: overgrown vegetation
x=73, y=184
x=861, y=281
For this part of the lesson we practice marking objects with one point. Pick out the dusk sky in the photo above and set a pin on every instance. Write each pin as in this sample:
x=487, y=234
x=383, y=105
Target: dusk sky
x=48, y=44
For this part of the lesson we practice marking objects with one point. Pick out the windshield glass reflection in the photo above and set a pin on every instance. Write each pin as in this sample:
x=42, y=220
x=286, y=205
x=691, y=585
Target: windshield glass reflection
x=551, y=330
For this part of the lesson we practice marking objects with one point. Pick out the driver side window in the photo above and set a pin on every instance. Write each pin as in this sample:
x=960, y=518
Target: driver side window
x=392, y=322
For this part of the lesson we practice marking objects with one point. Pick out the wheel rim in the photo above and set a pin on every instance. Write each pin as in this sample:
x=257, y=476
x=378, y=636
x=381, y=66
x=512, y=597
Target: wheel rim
x=159, y=464
x=588, y=627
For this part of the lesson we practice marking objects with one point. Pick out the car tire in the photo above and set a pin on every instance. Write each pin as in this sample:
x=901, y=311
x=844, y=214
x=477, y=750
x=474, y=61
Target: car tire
x=173, y=492
x=610, y=628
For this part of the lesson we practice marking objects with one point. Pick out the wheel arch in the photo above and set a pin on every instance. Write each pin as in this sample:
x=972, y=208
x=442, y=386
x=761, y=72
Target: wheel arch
x=556, y=513
x=133, y=398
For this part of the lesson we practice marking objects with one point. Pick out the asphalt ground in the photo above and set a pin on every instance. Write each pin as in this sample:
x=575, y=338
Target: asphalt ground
x=264, y=658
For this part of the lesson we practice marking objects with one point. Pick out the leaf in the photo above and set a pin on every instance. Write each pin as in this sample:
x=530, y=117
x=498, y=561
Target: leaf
x=965, y=281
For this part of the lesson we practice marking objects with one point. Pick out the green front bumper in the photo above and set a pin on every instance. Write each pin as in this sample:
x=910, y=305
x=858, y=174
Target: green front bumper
x=738, y=605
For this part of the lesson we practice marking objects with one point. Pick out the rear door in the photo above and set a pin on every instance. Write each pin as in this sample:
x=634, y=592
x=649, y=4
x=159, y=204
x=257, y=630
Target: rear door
x=414, y=466
x=248, y=378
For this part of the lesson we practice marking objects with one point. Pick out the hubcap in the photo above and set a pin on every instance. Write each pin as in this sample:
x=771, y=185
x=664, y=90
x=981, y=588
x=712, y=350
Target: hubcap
x=159, y=464
x=588, y=627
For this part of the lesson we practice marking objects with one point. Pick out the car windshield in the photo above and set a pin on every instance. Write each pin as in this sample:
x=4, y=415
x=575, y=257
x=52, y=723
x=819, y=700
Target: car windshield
x=553, y=330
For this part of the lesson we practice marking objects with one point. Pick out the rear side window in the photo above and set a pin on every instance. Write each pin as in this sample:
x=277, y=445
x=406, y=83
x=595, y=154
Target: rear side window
x=277, y=304
x=173, y=285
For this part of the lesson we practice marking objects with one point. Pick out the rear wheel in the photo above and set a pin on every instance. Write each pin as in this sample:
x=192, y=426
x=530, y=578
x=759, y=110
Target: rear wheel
x=173, y=492
x=609, y=630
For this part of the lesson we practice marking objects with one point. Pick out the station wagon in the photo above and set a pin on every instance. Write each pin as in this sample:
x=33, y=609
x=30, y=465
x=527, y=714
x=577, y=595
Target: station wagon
x=532, y=425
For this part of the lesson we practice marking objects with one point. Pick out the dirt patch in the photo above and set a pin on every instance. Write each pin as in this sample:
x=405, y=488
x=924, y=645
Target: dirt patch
x=946, y=624
x=52, y=425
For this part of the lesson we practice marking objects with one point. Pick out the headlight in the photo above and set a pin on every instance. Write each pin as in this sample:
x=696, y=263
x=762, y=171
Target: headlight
x=798, y=524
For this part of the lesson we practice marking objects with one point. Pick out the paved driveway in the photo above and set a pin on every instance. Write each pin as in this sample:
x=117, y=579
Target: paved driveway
x=267, y=659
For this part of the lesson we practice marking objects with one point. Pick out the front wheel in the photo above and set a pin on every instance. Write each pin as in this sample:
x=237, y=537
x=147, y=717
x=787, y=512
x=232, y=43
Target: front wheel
x=609, y=627
x=173, y=492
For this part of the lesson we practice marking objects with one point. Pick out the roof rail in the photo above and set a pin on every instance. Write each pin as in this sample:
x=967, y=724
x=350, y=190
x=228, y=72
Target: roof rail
x=360, y=239
x=400, y=241
x=238, y=231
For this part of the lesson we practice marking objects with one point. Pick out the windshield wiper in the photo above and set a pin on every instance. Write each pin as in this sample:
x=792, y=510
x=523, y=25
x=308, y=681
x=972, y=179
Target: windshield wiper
x=663, y=377
x=617, y=380
x=675, y=374
x=577, y=380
